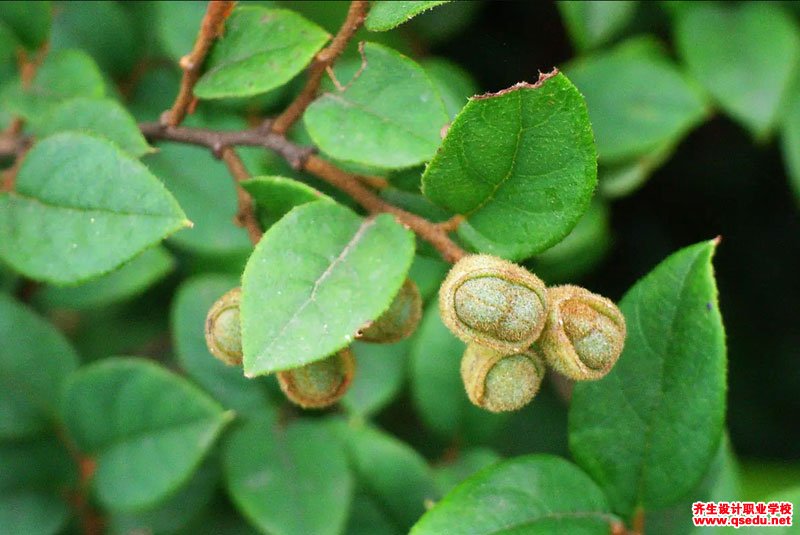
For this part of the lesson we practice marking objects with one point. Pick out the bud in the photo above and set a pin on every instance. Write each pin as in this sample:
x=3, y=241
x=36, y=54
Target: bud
x=223, y=331
x=494, y=303
x=399, y=321
x=498, y=382
x=585, y=333
x=321, y=383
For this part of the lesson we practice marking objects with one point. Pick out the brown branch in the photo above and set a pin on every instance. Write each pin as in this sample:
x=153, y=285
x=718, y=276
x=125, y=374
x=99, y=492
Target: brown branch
x=211, y=28
x=303, y=158
x=322, y=61
x=245, y=215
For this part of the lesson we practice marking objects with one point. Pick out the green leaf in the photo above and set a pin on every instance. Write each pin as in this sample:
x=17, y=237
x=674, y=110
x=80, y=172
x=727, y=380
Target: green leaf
x=790, y=495
x=64, y=74
x=428, y=274
x=73, y=218
x=638, y=101
x=34, y=361
x=380, y=373
x=750, y=75
x=591, y=24
x=176, y=512
x=519, y=164
x=102, y=28
x=225, y=383
x=579, y=252
x=129, y=280
x=389, y=115
x=528, y=494
x=720, y=483
x=288, y=480
x=33, y=476
x=790, y=140
x=624, y=178
x=176, y=26
x=204, y=188
x=315, y=277
x=455, y=85
x=648, y=430
x=465, y=465
x=395, y=476
x=260, y=50
x=30, y=21
x=436, y=386
x=386, y=15
x=99, y=116
x=275, y=196
x=368, y=517
x=151, y=434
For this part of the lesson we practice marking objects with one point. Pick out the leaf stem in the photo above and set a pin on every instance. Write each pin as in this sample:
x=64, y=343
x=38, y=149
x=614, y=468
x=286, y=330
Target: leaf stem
x=211, y=28
x=322, y=61
x=303, y=158
x=245, y=215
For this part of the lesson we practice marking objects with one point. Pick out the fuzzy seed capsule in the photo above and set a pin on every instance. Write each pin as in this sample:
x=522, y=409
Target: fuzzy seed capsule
x=223, y=331
x=319, y=384
x=399, y=321
x=585, y=333
x=494, y=303
x=498, y=382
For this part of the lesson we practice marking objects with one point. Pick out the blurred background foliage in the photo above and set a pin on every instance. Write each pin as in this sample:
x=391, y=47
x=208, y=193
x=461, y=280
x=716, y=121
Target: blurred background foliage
x=696, y=112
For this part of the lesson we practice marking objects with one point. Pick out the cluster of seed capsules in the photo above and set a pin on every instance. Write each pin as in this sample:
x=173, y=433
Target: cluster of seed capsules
x=512, y=324
x=321, y=383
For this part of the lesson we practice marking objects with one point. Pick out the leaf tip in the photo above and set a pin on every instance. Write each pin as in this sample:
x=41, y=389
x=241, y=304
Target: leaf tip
x=716, y=241
x=543, y=77
x=187, y=223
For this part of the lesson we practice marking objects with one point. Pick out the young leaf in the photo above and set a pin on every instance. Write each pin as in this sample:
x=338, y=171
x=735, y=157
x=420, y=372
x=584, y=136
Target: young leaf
x=30, y=21
x=80, y=208
x=260, y=50
x=591, y=24
x=520, y=164
x=529, y=494
x=436, y=386
x=64, y=74
x=391, y=473
x=648, y=430
x=275, y=196
x=315, y=277
x=389, y=115
x=99, y=116
x=386, y=15
x=204, y=189
x=381, y=371
x=33, y=476
x=129, y=280
x=34, y=361
x=638, y=101
x=225, y=383
x=750, y=75
x=147, y=428
x=288, y=480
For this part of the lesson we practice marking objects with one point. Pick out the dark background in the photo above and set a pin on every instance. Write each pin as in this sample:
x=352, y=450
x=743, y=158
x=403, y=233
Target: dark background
x=718, y=182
